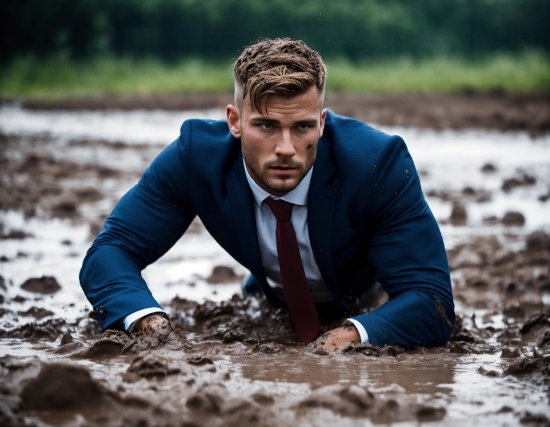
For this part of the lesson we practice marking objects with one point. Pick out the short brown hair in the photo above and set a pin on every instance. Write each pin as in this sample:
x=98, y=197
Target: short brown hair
x=282, y=67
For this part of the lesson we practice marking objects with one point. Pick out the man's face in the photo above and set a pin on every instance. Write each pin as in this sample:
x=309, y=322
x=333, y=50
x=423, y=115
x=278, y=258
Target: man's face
x=280, y=145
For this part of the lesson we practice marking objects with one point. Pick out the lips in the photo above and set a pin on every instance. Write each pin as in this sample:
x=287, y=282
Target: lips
x=283, y=172
x=283, y=168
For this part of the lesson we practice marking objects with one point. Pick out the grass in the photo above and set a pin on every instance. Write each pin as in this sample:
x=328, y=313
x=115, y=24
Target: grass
x=29, y=78
x=526, y=72
x=55, y=78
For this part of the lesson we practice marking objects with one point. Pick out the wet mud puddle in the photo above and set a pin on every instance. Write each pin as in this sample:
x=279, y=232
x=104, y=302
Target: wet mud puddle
x=234, y=362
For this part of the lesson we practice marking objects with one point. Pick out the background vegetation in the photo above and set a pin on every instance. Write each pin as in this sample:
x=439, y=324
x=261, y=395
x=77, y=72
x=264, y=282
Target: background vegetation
x=60, y=47
x=55, y=78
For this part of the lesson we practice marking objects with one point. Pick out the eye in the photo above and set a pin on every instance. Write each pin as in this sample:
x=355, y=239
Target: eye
x=304, y=127
x=266, y=126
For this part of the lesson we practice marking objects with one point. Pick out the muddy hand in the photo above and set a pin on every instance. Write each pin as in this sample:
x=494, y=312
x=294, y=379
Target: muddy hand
x=337, y=338
x=153, y=324
x=155, y=331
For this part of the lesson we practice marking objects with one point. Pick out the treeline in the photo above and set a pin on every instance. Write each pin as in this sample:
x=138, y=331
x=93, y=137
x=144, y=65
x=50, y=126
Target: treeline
x=353, y=29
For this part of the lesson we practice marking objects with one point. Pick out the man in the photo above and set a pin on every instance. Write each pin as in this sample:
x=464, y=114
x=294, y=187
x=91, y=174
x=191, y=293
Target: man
x=313, y=204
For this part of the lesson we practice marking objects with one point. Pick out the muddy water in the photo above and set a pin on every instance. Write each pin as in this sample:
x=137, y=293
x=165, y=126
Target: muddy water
x=234, y=362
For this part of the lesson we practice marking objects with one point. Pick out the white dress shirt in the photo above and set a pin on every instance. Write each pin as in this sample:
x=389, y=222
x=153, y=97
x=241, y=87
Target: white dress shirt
x=266, y=225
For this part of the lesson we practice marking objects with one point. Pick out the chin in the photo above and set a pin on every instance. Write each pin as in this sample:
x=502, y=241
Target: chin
x=283, y=187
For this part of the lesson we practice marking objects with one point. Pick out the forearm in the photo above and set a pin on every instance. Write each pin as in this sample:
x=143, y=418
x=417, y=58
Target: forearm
x=411, y=319
x=112, y=280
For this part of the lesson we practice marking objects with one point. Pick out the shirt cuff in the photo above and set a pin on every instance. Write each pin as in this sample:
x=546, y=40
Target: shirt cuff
x=135, y=316
x=361, y=329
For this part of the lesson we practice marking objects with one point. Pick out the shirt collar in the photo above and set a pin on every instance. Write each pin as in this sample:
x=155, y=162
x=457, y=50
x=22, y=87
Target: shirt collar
x=298, y=196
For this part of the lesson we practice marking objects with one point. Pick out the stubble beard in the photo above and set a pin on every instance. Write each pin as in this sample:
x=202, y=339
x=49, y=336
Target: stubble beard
x=259, y=173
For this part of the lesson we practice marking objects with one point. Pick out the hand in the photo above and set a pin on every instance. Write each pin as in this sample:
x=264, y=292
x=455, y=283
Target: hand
x=157, y=331
x=152, y=324
x=337, y=338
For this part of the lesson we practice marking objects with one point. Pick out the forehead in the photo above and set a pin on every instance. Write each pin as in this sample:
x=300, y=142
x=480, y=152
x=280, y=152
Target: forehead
x=283, y=107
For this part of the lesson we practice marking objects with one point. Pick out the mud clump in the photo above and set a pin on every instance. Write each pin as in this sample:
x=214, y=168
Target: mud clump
x=104, y=348
x=512, y=218
x=207, y=400
x=356, y=401
x=488, y=168
x=263, y=398
x=48, y=330
x=67, y=338
x=88, y=194
x=36, y=312
x=199, y=360
x=461, y=333
x=430, y=413
x=536, y=320
x=488, y=372
x=67, y=208
x=530, y=419
x=521, y=181
x=42, y=285
x=510, y=353
x=537, y=241
x=331, y=401
x=148, y=366
x=249, y=320
x=528, y=365
x=223, y=274
x=14, y=235
x=458, y=214
x=61, y=386
x=113, y=343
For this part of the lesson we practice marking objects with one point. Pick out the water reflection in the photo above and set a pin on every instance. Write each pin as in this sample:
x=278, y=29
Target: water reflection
x=426, y=374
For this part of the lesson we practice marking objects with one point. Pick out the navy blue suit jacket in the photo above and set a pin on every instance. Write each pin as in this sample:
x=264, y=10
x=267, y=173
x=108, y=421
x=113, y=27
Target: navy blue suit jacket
x=365, y=205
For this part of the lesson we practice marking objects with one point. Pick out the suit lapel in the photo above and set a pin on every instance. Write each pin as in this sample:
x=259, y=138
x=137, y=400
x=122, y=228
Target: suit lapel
x=321, y=199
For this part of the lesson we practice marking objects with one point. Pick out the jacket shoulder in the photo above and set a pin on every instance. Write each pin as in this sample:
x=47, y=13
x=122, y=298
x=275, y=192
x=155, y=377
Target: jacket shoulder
x=355, y=135
x=205, y=129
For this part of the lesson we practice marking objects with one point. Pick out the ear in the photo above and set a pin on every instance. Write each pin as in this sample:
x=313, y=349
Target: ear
x=322, y=122
x=233, y=120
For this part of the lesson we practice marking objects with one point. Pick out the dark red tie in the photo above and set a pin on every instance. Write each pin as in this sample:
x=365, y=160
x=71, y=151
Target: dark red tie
x=298, y=298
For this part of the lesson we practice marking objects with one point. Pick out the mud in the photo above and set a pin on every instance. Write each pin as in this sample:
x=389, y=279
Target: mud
x=184, y=360
x=38, y=183
x=498, y=110
x=225, y=360
x=42, y=285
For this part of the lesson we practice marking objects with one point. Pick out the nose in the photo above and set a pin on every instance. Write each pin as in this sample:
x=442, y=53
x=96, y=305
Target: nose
x=285, y=147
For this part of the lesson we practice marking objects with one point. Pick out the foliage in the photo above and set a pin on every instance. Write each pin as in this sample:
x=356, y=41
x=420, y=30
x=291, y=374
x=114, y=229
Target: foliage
x=352, y=29
x=30, y=77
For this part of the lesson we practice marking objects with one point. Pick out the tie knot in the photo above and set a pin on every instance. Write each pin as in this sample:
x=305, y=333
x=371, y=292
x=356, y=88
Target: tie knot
x=281, y=209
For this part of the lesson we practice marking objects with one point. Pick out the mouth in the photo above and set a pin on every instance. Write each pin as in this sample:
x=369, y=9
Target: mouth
x=283, y=168
x=283, y=171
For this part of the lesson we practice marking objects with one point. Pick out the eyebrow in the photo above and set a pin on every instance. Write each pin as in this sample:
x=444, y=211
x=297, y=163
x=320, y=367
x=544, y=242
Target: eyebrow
x=264, y=120
x=276, y=122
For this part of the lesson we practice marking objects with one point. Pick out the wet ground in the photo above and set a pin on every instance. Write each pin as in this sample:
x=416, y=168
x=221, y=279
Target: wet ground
x=497, y=110
x=230, y=361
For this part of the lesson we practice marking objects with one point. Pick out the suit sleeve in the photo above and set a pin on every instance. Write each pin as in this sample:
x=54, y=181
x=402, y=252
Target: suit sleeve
x=145, y=223
x=407, y=251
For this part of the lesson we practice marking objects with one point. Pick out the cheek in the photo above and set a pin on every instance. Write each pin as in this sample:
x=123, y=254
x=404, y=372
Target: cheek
x=308, y=148
x=254, y=149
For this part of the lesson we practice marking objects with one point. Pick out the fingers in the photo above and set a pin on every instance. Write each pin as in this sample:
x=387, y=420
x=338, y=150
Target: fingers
x=337, y=338
x=152, y=323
